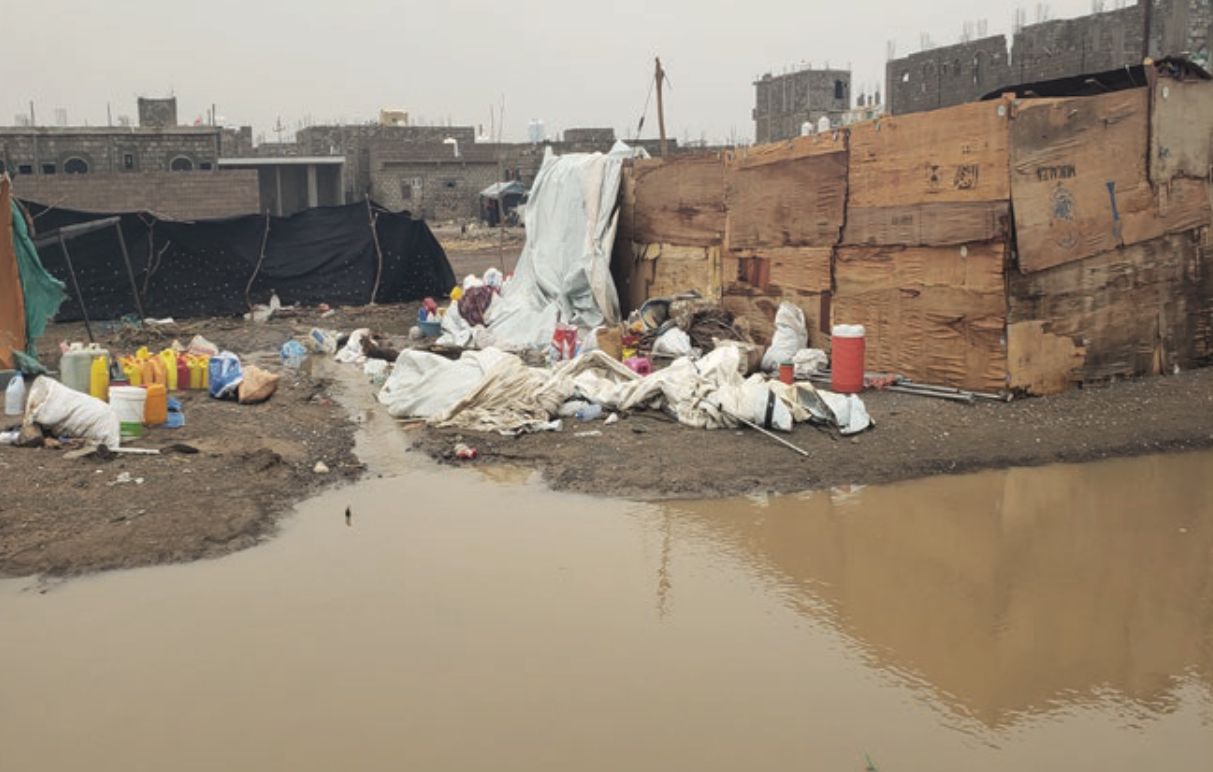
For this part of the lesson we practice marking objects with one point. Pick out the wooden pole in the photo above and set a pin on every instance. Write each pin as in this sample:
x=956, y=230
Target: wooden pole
x=248, y=288
x=373, y=219
x=130, y=273
x=660, y=75
x=71, y=271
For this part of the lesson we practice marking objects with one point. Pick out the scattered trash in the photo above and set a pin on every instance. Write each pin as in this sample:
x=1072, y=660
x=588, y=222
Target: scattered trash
x=572, y=408
x=293, y=353
x=809, y=361
x=180, y=447
x=10, y=437
x=564, y=343
x=611, y=419
x=124, y=478
x=200, y=346
x=672, y=343
x=14, y=396
x=176, y=417
x=257, y=385
x=590, y=412
x=327, y=313
x=465, y=452
x=320, y=468
x=224, y=375
x=351, y=352
x=790, y=336
x=639, y=365
x=591, y=433
x=415, y=333
x=639, y=428
x=323, y=341
x=263, y=312
x=376, y=370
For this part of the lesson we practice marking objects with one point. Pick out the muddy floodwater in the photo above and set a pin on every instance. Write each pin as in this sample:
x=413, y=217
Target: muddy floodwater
x=1049, y=618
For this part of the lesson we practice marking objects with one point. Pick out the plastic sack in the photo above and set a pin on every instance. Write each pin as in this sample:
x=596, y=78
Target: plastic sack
x=224, y=375
x=791, y=335
x=67, y=412
x=376, y=370
x=673, y=342
x=494, y=278
x=293, y=353
x=351, y=353
x=809, y=361
x=324, y=341
x=200, y=346
x=257, y=385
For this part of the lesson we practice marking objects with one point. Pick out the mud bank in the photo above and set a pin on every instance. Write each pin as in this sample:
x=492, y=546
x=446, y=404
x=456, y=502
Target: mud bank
x=648, y=457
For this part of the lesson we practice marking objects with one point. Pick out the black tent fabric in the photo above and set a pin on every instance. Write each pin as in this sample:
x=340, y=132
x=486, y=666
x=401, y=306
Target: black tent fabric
x=198, y=268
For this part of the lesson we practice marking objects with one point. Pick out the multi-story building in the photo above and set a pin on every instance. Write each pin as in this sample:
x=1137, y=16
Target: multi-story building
x=784, y=103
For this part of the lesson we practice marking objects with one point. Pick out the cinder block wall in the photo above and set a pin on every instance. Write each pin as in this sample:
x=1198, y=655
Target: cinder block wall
x=177, y=195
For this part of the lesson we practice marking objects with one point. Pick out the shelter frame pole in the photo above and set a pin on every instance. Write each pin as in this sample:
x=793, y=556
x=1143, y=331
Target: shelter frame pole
x=130, y=273
x=372, y=219
x=71, y=271
x=660, y=75
x=248, y=288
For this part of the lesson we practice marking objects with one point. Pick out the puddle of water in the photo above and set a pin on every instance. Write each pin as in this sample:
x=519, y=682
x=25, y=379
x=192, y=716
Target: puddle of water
x=1044, y=618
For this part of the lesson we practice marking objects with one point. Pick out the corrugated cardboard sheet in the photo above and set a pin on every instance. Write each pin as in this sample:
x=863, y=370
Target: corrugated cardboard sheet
x=1139, y=309
x=12, y=300
x=680, y=201
x=1181, y=130
x=935, y=314
x=1078, y=180
x=788, y=194
x=757, y=281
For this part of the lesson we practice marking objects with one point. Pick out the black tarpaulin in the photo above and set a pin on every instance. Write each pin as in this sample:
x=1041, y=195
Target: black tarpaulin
x=205, y=267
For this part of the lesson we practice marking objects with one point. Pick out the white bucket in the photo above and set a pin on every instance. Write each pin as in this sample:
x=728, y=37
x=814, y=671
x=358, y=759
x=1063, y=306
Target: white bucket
x=127, y=402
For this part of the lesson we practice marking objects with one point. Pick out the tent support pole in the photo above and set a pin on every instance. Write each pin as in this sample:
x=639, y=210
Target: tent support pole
x=130, y=273
x=71, y=271
x=371, y=218
x=248, y=288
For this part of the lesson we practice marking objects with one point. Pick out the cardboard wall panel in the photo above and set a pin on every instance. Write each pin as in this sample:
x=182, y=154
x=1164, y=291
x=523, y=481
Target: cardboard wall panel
x=791, y=194
x=679, y=201
x=1141, y=309
x=954, y=155
x=927, y=224
x=934, y=314
x=1181, y=130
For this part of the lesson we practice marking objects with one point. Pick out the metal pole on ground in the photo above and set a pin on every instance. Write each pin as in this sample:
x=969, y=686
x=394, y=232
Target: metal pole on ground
x=71, y=271
x=130, y=273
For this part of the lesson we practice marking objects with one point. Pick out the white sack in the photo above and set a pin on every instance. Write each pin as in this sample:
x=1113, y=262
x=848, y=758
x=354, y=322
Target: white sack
x=809, y=361
x=673, y=342
x=67, y=412
x=351, y=352
x=791, y=335
x=423, y=385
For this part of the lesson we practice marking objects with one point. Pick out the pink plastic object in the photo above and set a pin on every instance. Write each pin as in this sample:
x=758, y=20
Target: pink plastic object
x=639, y=365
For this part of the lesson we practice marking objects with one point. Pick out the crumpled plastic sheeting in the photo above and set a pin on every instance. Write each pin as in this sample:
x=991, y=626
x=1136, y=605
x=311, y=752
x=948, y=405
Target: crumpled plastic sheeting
x=423, y=385
x=564, y=271
x=351, y=353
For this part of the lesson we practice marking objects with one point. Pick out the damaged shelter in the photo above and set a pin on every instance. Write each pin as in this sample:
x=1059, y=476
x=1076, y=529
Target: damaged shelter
x=341, y=255
x=29, y=296
x=1014, y=244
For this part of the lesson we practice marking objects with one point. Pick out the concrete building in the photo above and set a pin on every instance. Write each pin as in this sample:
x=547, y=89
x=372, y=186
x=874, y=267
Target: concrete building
x=949, y=75
x=783, y=103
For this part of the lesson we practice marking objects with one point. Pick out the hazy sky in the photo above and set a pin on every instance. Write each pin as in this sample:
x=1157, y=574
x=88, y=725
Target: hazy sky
x=569, y=63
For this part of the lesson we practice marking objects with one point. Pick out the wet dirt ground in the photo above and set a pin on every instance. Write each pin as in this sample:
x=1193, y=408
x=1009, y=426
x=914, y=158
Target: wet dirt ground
x=1059, y=617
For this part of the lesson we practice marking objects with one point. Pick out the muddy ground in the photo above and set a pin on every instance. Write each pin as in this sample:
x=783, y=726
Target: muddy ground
x=61, y=517
x=648, y=456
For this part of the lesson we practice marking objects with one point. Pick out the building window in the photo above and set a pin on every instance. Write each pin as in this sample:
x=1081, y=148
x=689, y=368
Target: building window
x=48, y=168
x=450, y=184
x=75, y=165
x=406, y=191
x=128, y=161
x=25, y=168
x=840, y=90
x=204, y=166
x=181, y=164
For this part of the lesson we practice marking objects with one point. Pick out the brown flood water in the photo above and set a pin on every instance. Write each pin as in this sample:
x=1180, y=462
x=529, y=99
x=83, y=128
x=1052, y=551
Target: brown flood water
x=1052, y=618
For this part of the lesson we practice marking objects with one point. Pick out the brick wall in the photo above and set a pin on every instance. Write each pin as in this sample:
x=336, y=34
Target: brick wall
x=946, y=76
x=179, y=195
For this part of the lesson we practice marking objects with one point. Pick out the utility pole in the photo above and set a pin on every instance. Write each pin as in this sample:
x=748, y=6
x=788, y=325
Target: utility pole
x=660, y=75
x=1147, y=12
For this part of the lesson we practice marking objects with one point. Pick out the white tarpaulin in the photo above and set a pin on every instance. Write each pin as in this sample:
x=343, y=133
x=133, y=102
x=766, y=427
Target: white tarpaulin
x=491, y=390
x=564, y=272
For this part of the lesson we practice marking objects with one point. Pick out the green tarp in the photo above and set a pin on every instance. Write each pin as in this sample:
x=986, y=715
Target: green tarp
x=43, y=292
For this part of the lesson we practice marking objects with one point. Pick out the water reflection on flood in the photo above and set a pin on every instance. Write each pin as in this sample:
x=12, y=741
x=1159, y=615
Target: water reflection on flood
x=1053, y=618
x=1007, y=594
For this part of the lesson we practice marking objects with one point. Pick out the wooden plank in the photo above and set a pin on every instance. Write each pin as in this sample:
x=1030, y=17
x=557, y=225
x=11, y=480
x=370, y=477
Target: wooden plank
x=799, y=201
x=935, y=314
x=787, y=150
x=1178, y=205
x=927, y=224
x=1181, y=132
x=680, y=201
x=1134, y=310
x=958, y=154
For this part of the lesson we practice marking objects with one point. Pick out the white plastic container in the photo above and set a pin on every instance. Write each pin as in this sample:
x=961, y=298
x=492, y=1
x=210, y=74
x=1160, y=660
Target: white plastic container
x=128, y=404
x=76, y=366
x=14, y=396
